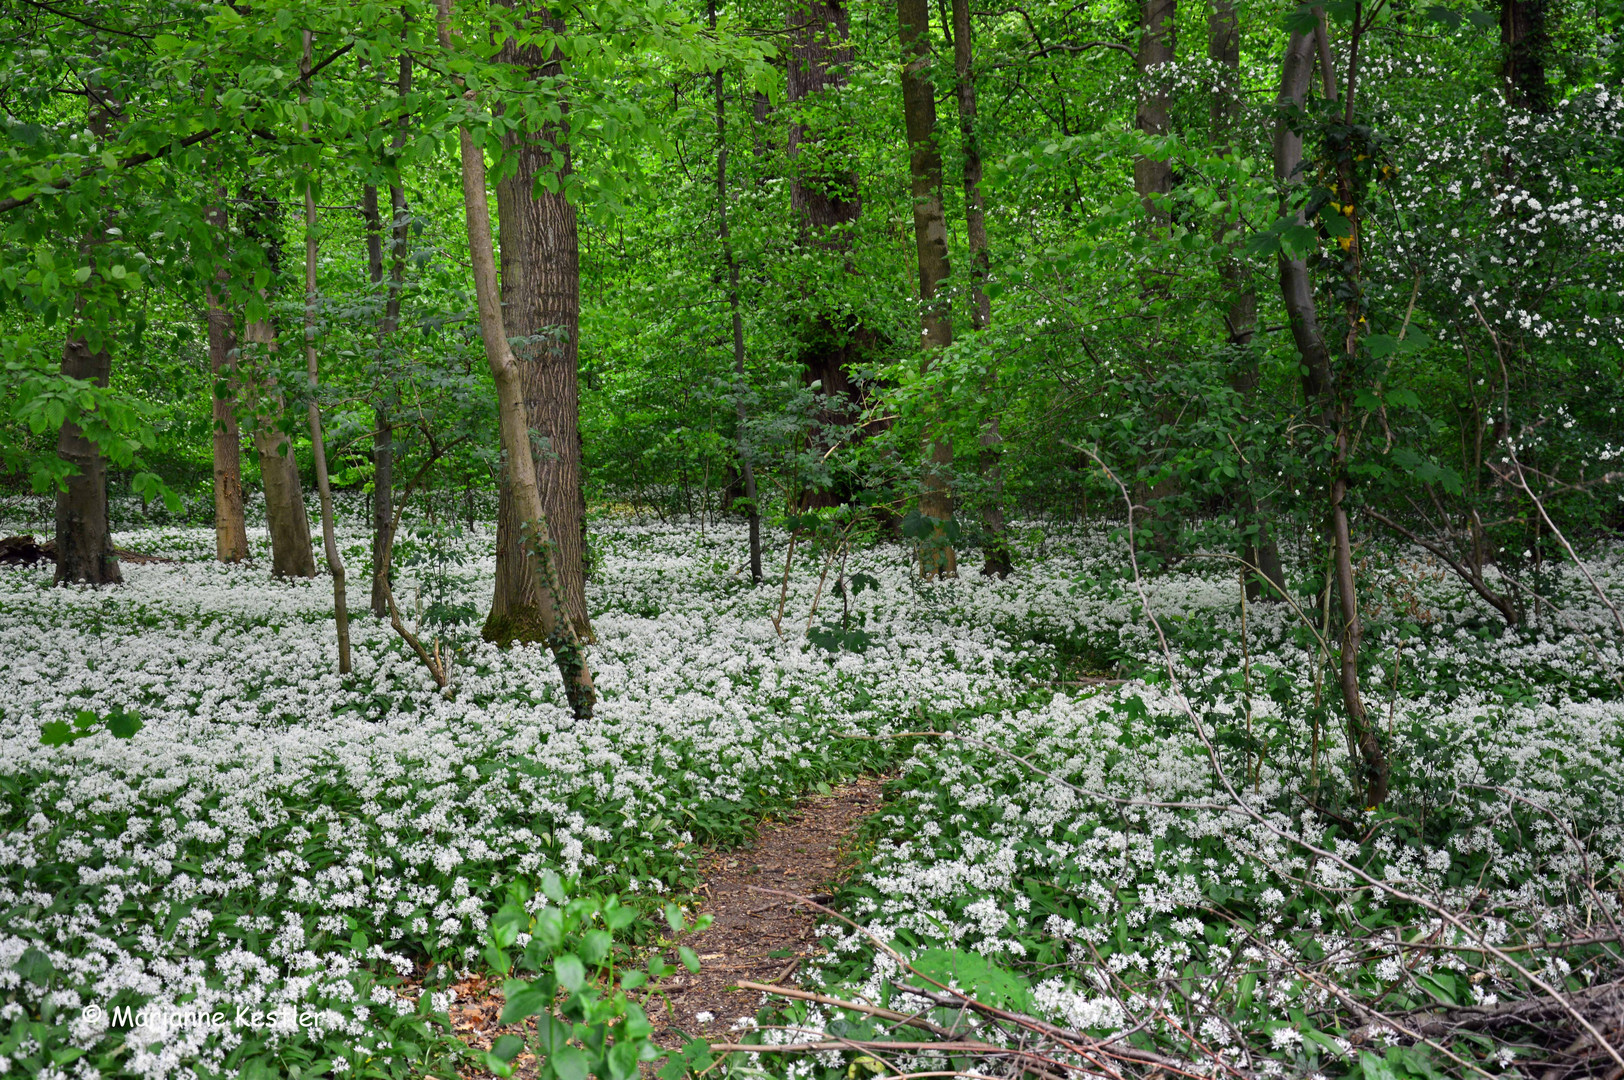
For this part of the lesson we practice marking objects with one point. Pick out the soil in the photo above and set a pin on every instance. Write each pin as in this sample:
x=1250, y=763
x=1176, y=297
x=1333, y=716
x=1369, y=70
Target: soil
x=759, y=938
x=752, y=937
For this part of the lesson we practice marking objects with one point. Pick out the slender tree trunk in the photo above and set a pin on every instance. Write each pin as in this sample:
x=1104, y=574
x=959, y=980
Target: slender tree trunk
x=383, y=432
x=230, y=527
x=937, y=556
x=746, y=467
x=541, y=304
x=324, y=491
x=520, y=469
x=1320, y=390
x=84, y=541
x=1263, y=573
x=1157, y=25
x=996, y=554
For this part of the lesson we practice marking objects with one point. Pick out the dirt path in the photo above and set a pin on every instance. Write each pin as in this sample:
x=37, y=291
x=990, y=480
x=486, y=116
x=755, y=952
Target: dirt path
x=762, y=938
x=752, y=937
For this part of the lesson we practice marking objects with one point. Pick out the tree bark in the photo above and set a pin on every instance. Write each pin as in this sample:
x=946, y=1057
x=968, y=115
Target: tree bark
x=541, y=303
x=937, y=556
x=1525, y=37
x=824, y=197
x=230, y=526
x=1262, y=572
x=84, y=541
x=324, y=491
x=285, y=513
x=520, y=470
x=1157, y=26
x=997, y=558
x=746, y=467
x=383, y=431
x=1321, y=391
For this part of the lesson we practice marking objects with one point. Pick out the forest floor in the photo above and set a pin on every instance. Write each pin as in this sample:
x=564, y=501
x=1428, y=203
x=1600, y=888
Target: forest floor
x=1085, y=804
x=753, y=937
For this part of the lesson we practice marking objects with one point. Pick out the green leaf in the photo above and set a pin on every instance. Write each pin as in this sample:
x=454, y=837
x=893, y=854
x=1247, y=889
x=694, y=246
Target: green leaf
x=35, y=967
x=549, y=929
x=622, y=1060
x=673, y=918
x=570, y=1063
x=507, y=1047
x=524, y=1001
x=1381, y=345
x=595, y=946
x=552, y=888
x=123, y=725
x=570, y=972
x=56, y=733
x=1299, y=241
x=689, y=958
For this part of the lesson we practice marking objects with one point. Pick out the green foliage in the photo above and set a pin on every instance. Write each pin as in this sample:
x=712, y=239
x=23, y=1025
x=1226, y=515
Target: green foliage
x=118, y=723
x=597, y=1030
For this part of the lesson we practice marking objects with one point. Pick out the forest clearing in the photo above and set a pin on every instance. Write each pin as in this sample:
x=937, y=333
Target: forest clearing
x=1014, y=540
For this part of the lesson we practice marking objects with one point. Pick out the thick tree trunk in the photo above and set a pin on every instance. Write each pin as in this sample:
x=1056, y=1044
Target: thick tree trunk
x=541, y=304
x=1157, y=26
x=1320, y=390
x=324, y=491
x=996, y=555
x=937, y=557
x=84, y=541
x=520, y=478
x=1262, y=572
x=230, y=526
x=285, y=513
x=746, y=467
x=824, y=196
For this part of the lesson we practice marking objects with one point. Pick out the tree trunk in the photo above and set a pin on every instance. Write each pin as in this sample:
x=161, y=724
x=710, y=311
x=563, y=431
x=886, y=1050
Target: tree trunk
x=541, y=304
x=823, y=194
x=1262, y=572
x=1320, y=390
x=84, y=541
x=937, y=556
x=324, y=491
x=230, y=527
x=520, y=471
x=383, y=431
x=746, y=467
x=285, y=513
x=996, y=555
x=1523, y=33
x=1157, y=27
